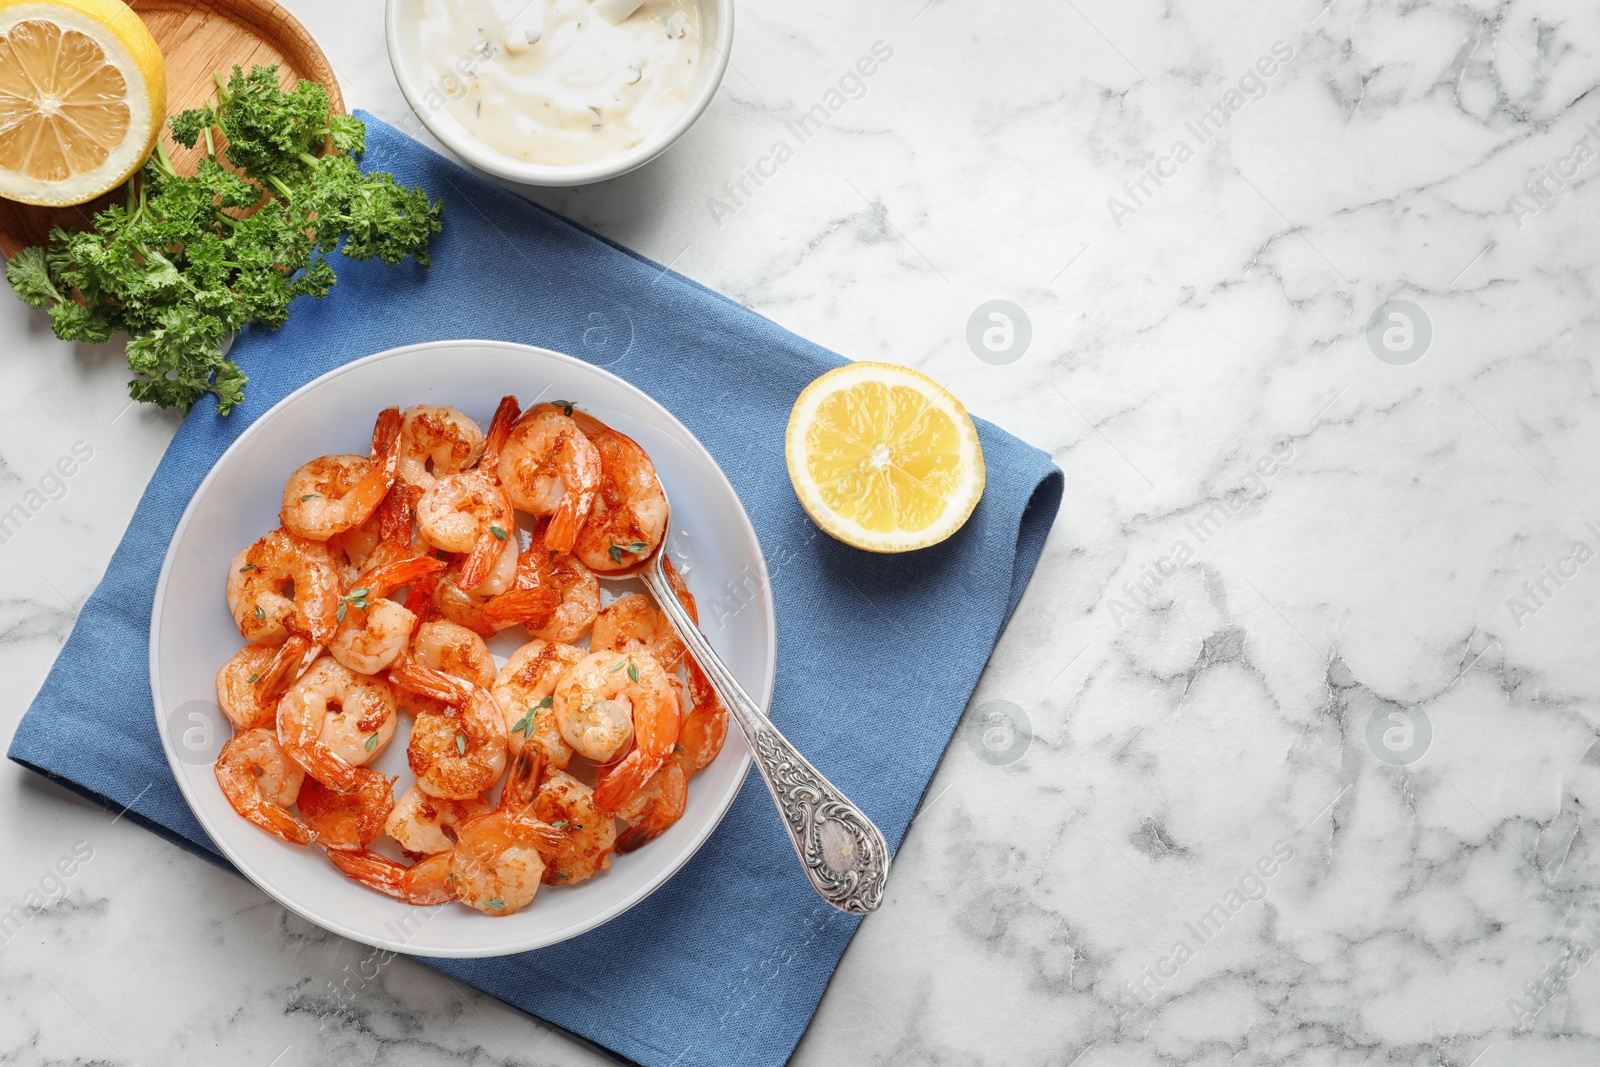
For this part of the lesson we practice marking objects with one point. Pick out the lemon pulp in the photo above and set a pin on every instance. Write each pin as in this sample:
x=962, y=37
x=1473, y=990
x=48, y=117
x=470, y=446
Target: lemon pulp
x=82, y=97
x=883, y=457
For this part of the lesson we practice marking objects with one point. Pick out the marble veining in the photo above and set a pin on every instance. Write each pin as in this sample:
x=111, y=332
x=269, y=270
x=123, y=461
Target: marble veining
x=1289, y=755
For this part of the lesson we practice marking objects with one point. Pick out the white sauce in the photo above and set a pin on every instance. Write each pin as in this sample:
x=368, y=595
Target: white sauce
x=552, y=81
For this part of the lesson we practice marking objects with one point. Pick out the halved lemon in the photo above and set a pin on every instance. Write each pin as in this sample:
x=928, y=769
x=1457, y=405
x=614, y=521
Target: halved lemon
x=83, y=94
x=884, y=458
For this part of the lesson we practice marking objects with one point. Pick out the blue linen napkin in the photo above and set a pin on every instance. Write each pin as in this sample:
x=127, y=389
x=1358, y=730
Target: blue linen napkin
x=727, y=961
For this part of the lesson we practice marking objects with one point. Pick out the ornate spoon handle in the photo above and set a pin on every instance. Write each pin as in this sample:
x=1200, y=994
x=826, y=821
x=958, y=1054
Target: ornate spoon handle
x=843, y=853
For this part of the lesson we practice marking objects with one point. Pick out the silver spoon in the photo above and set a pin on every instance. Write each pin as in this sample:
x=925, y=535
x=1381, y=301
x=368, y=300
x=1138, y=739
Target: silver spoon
x=842, y=852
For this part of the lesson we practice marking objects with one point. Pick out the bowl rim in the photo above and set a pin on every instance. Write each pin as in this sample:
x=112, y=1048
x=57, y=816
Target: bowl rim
x=335, y=926
x=479, y=154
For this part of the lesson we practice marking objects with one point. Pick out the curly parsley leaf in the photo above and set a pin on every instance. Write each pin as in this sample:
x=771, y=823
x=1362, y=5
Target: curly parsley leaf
x=29, y=275
x=185, y=261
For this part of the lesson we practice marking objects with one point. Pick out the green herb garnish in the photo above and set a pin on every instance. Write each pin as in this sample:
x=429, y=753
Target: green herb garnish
x=563, y=874
x=309, y=496
x=495, y=903
x=565, y=406
x=252, y=679
x=461, y=744
x=560, y=824
x=499, y=534
x=525, y=724
x=616, y=550
x=354, y=598
x=179, y=266
x=260, y=612
x=372, y=742
x=248, y=567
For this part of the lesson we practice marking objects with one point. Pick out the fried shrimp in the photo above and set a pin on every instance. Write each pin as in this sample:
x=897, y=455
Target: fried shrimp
x=436, y=440
x=382, y=591
x=331, y=494
x=454, y=755
x=467, y=513
x=605, y=700
x=525, y=692
x=425, y=824
x=332, y=720
x=633, y=623
x=629, y=515
x=704, y=726
x=452, y=649
x=486, y=617
x=353, y=548
x=550, y=469
x=348, y=820
x=498, y=860
x=373, y=630
x=284, y=582
x=566, y=804
x=562, y=576
x=236, y=688
x=650, y=811
x=261, y=781
x=426, y=883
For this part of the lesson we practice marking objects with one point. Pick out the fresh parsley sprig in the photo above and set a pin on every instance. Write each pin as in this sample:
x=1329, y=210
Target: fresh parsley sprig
x=185, y=261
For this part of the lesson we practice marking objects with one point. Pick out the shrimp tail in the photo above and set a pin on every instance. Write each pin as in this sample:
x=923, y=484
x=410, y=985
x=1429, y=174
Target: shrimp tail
x=705, y=728
x=386, y=442
x=499, y=433
x=625, y=779
x=587, y=422
x=478, y=564
x=636, y=837
x=391, y=576
x=669, y=796
x=425, y=884
x=675, y=580
x=300, y=742
x=546, y=838
x=240, y=786
x=291, y=661
x=394, y=514
x=420, y=600
x=277, y=821
x=431, y=683
x=522, y=780
x=562, y=533
x=531, y=607
x=372, y=491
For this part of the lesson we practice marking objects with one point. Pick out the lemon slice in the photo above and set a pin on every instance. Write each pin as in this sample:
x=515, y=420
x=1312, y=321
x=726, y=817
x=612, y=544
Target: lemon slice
x=884, y=458
x=82, y=97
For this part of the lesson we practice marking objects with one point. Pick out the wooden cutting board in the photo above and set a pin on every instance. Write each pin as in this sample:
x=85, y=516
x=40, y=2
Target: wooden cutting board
x=197, y=38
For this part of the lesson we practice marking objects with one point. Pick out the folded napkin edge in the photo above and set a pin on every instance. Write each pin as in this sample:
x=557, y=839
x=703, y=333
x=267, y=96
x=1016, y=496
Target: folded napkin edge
x=127, y=811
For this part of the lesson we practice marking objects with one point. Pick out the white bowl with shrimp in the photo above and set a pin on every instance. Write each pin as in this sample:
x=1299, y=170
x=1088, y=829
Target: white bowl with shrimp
x=192, y=632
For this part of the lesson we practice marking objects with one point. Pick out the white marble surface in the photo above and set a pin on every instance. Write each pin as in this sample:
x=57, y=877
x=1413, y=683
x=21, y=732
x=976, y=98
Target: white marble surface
x=1183, y=731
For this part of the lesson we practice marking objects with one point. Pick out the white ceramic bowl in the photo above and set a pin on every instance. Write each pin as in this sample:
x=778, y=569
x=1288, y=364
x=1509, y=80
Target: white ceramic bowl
x=401, y=20
x=192, y=633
